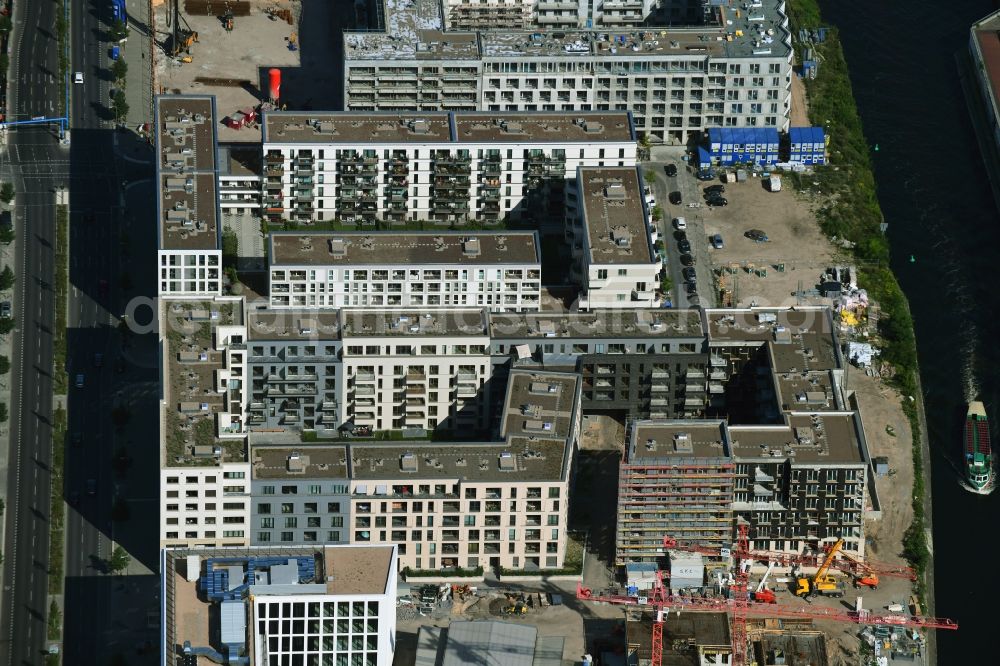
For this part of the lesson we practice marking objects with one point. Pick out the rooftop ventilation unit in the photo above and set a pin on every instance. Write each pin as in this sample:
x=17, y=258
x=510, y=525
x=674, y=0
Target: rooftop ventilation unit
x=338, y=248
x=614, y=190
x=682, y=443
x=621, y=236
x=471, y=247
x=408, y=462
x=507, y=462
x=419, y=126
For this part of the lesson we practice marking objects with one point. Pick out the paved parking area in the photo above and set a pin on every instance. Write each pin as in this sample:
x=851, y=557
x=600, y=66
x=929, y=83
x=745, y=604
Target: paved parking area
x=692, y=210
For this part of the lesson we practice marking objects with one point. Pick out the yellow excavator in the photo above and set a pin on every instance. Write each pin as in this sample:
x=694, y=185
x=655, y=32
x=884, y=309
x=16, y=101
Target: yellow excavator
x=822, y=583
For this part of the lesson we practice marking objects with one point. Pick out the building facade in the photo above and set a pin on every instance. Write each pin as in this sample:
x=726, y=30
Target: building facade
x=259, y=606
x=728, y=71
x=189, y=235
x=427, y=270
x=438, y=168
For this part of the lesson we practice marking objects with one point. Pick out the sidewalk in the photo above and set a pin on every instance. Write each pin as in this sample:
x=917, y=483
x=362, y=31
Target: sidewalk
x=8, y=254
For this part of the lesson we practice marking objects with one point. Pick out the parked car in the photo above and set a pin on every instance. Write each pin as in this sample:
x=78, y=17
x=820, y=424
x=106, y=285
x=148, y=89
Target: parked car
x=691, y=288
x=689, y=274
x=717, y=201
x=670, y=170
x=79, y=381
x=115, y=52
x=756, y=235
x=680, y=235
x=687, y=260
x=5, y=310
x=720, y=189
x=680, y=223
x=717, y=241
x=675, y=198
x=651, y=202
x=705, y=174
x=684, y=246
x=91, y=487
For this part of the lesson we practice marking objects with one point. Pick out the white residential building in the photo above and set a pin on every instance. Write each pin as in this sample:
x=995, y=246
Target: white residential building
x=205, y=506
x=189, y=260
x=728, y=68
x=328, y=605
x=438, y=168
x=611, y=241
x=496, y=504
x=416, y=370
x=525, y=14
x=433, y=270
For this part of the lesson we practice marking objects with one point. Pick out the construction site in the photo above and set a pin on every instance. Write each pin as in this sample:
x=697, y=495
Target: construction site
x=228, y=49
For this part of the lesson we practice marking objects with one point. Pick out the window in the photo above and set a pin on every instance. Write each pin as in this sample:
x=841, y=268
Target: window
x=267, y=490
x=263, y=536
x=267, y=523
x=315, y=490
x=289, y=490
x=288, y=536
x=232, y=534
x=333, y=507
x=337, y=521
x=234, y=475
x=287, y=507
x=602, y=274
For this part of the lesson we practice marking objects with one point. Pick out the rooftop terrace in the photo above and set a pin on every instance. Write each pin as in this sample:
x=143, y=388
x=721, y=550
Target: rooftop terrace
x=414, y=32
x=280, y=462
x=539, y=404
x=562, y=127
x=359, y=323
x=517, y=460
x=678, y=440
x=293, y=325
x=823, y=439
x=189, y=384
x=186, y=168
x=806, y=391
x=403, y=249
x=613, y=216
x=598, y=324
x=353, y=128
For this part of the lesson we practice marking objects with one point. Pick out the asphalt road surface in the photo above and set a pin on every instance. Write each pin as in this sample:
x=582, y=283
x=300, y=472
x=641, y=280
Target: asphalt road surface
x=38, y=167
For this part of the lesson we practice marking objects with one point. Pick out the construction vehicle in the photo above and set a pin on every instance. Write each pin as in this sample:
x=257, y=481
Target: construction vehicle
x=762, y=594
x=183, y=37
x=822, y=583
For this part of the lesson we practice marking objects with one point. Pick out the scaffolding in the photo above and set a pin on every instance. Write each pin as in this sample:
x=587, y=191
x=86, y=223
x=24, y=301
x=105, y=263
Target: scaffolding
x=689, y=498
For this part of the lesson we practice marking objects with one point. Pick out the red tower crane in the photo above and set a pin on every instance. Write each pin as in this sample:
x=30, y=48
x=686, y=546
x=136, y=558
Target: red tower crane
x=740, y=606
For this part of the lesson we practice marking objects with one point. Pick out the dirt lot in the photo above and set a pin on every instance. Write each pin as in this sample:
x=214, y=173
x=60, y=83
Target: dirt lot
x=576, y=623
x=310, y=77
x=800, y=103
x=794, y=236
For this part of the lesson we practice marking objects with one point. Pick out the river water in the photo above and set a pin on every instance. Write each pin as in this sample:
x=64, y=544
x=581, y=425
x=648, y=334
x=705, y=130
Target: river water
x=938, y=203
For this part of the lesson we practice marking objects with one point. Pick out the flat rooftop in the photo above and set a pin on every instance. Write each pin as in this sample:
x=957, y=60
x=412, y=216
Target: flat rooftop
x=806, y=391
x=553, y=127
x=403, y=250
x=266, y=324
x=678, y=440
x=392, y=129
x=458, y=323
x=539, y=404
x=344, y=570
x=799, y=338
x=414, y=32
x=599, y=324
x=239, y=160
x=188, y=205
x=284, y=462
x=821, y=439
x=520, y=459
x=353, y=128
x=189, y=382
x=186, y=172
x=613, y=216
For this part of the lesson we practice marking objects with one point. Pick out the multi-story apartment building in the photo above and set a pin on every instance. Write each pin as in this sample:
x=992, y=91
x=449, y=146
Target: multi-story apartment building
x=240, y=178
x=612, y=243
x=440, y=168
x=791, y=459
x=279, y=606
x=426, y=270
x=189, y=237
x=416, y=370
x=299, y=495
x=729, y=70
x=204, y=474
x=551, y=14
x=495, y=504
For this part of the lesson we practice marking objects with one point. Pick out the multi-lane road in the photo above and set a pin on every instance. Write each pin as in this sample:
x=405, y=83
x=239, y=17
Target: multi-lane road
x=102, y=245
x=38, y=167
